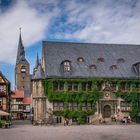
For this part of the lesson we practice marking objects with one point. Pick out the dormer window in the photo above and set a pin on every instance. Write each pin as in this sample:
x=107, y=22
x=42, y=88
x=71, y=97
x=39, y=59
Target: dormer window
x=80, y=59
x=136, y=68
x=101, y=59
x=67, y=66
x=93, y=67
x=120, y=60
x=113, y=67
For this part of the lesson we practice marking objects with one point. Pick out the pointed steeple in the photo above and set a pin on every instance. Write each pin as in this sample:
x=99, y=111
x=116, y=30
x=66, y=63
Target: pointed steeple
x=37, y=61
x=21, y=52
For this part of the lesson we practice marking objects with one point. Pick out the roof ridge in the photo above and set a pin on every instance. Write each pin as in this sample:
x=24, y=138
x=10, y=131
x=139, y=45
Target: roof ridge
x=89, y=43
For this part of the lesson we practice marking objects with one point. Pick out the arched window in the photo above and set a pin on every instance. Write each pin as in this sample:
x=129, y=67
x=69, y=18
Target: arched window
x=136, y=68
x=120, y=60
x=80, y=59
x=113, y=67
x=23, y=72
x=93, y=67
x=66, y=66
x=23, y=69
x=101, y=59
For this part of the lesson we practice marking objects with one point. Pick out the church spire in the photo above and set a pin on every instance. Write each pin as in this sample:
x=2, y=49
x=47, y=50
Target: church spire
x=21, y=52
x=37, y=61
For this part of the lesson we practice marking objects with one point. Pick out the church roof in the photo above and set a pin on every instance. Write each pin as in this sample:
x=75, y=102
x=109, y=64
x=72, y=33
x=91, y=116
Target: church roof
x=38, y=72
x=109, y=60
x=21, y=52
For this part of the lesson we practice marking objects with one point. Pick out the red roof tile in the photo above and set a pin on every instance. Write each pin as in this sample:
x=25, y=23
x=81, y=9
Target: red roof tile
x=18, y=94
x=27, y=100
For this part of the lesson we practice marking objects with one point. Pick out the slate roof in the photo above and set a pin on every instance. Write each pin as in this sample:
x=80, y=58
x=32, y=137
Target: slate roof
x=38, y=73
x=21, y=53
x=54, y=53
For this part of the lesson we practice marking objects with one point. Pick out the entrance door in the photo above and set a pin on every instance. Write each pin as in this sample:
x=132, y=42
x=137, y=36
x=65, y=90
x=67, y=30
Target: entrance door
x=107, y=111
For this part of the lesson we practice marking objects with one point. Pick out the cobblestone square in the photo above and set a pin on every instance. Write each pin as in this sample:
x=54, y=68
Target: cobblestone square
x=82, y=132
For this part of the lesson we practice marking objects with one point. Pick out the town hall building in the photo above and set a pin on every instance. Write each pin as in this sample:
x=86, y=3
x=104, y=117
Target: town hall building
x=83, y=82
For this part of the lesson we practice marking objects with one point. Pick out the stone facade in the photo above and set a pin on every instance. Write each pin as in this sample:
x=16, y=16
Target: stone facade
x=69, y=70
x=42, y=108
x=22, y=77
x=22, y=70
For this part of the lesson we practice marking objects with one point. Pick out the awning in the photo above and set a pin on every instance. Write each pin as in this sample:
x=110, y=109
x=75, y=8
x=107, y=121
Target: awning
x=3, y=113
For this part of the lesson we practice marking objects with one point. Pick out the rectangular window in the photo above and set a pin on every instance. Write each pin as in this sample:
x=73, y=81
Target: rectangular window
x=20, y=107
x=70, y=106
x=55, y=86
x=61, y=85
x=61, y=106
x=55, y=106
x=15, y=107
x=66, y=66
x=88, y=86
x=75, y=106
x=73, y=86
x=89, y=106
x=83, y=86
x=69, y=86
x=58, y=106
x=125, y=106
x=58, y=86
x=84, y=106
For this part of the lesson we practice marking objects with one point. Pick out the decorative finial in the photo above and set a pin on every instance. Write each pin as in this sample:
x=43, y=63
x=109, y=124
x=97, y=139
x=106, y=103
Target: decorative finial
x=20, y=30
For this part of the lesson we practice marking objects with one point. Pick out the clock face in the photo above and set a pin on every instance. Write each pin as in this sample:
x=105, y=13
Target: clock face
x=107, y=95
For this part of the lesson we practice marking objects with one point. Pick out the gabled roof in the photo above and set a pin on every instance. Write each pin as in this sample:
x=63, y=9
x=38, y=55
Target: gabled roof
x=54, y=53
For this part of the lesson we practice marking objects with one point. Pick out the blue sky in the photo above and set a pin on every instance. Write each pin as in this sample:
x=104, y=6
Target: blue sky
x=96, y=21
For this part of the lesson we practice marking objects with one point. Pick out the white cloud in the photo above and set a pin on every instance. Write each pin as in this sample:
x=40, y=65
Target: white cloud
x=33, y=26
x=107, y=21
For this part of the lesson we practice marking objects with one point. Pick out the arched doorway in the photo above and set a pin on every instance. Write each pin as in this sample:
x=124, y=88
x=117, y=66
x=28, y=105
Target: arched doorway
x=107, y=111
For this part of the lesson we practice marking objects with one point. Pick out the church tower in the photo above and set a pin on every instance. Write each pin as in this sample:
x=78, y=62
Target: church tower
x=22, y=70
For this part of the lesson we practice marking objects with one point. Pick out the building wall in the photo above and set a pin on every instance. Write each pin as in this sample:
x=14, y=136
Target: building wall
x=22, y=80
x=43, y=108
x=4, y=94
x=38, y=100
